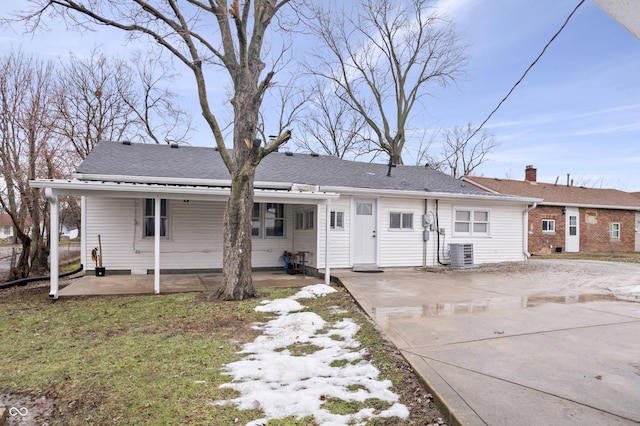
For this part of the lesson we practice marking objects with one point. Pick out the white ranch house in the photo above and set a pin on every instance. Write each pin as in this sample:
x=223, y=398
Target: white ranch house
x=343, y=214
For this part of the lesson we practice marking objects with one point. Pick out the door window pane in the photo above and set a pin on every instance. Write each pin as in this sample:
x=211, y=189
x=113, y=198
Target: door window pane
x=364, y=209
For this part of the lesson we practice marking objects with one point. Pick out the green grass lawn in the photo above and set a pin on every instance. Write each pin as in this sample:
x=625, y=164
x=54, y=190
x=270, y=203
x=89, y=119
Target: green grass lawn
x=147, y=359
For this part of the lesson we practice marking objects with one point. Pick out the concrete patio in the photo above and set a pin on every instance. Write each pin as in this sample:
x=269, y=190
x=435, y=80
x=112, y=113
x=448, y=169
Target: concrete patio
x=89, y=285
x=549, y=346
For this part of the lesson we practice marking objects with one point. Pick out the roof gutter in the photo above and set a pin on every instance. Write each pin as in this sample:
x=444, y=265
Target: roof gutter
x=590, y=206
x=397, y=193
x=175, y=181
x=54, y=187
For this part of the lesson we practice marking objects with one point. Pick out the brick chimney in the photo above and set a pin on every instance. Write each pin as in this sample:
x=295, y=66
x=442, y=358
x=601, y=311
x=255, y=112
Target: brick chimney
x=530, y=174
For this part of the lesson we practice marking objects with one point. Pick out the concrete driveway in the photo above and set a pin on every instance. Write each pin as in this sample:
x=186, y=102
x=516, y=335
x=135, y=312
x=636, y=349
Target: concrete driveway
x=545, y=342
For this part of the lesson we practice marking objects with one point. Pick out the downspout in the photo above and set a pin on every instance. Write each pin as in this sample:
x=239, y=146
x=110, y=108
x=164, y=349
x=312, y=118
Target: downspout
x=83, y=230
x=327, y=225
x=438, y=235
x=525, y=227
x=156, y=251
x=425, y=232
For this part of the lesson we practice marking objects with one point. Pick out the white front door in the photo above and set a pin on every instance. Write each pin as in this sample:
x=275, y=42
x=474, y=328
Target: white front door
x=364, y=232
x=572, y=233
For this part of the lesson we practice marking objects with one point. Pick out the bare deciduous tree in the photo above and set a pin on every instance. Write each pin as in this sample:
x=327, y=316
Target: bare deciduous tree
x=382, y=57
x=90, y=101
x=158, y=115
x=101, y=98
x=332, y=126
x=26, y=127
x=200, y=34
x=460, y=155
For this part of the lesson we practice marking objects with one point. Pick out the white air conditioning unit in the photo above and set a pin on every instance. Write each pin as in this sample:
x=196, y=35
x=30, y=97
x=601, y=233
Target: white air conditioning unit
x=461, y=255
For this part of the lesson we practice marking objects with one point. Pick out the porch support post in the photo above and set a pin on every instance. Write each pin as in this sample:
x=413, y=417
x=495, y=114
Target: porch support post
x=327, y=226
x=54, y=268
x=156, y=233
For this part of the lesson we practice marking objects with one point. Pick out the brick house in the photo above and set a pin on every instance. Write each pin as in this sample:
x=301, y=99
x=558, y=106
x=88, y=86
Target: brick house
x=573, y=218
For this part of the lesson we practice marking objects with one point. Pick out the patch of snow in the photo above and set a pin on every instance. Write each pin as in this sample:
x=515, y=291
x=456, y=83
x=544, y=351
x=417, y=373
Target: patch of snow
x=313, y=291
x=280, y=306
x=282, y=383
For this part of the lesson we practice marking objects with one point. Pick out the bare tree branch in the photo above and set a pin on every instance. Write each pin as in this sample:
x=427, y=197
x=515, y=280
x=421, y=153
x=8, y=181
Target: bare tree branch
x=384, y=56
x=460, y=155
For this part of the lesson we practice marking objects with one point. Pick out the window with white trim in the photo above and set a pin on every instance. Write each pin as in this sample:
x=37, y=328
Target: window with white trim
x=615, y=231
x=305, y=220
x=337, y=220
x=267, y=220
x=309, y=219
x=469, y=221
x=256, y=221
x=398, y=220
x=548, y=225
x=149, y=218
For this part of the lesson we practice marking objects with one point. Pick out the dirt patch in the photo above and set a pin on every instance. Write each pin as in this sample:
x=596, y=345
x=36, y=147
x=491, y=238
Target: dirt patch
x=413, y=394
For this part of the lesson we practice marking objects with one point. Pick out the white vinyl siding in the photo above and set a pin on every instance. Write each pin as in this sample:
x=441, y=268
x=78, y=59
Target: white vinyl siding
x=397, y=249
x=506, y=240
x=195, y=236
x=340, y=242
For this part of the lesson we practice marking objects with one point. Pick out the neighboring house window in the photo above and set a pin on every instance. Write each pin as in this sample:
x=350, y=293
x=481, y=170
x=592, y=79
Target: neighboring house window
x=615, y=231
x=267, y=220
x=548, y=225
x=305, y=220
x=150, y=219
x=471, y=221
x=400, y=220
x=337, y=220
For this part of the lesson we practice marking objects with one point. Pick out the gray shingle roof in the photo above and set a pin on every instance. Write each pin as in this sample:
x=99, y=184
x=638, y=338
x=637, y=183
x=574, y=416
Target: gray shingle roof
x=186, y=162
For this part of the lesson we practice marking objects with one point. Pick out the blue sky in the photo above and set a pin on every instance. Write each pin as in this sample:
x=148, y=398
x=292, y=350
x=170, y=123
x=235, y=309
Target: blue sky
x=578, y=109
x=577, y=112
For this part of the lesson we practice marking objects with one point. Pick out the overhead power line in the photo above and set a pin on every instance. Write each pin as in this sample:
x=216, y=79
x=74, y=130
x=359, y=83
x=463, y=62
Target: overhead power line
x=526, y=71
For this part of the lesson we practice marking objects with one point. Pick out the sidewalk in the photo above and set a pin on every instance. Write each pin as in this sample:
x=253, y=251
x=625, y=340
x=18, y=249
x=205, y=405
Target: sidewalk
x=508, y=349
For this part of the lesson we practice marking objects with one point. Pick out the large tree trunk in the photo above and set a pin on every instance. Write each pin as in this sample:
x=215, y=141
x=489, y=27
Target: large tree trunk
x=237, y=283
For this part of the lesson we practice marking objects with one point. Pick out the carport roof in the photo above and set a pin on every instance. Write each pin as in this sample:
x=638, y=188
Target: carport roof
x=118, y=161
